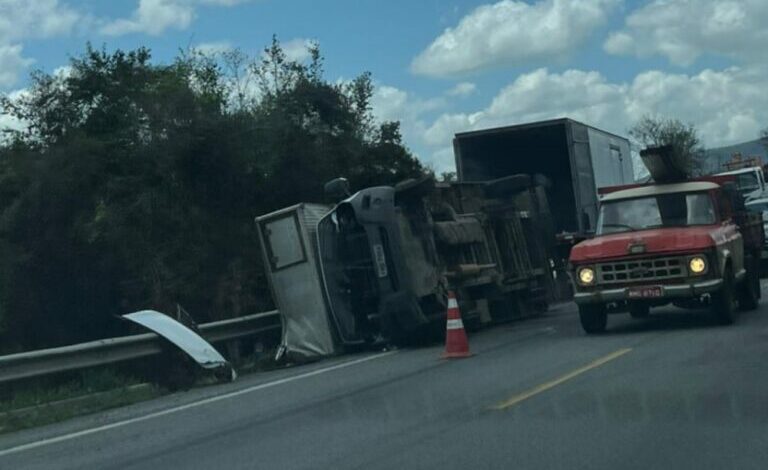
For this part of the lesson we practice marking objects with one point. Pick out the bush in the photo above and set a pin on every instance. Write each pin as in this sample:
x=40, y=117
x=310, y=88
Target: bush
x=135, y=184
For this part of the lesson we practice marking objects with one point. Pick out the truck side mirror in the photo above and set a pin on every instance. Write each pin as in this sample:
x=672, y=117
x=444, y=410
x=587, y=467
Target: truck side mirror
x=337, y=189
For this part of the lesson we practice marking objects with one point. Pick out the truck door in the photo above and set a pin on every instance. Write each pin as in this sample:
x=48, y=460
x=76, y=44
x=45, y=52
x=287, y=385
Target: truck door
x=730, y=242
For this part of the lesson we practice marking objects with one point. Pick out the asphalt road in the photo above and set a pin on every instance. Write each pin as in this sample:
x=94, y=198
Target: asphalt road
x=673, y=391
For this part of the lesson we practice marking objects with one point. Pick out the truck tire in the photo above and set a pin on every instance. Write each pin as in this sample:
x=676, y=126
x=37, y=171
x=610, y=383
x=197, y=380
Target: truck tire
x=639, y=310
x=723, y=300
x=749, y=290
x=594, y=318
x=401, y=318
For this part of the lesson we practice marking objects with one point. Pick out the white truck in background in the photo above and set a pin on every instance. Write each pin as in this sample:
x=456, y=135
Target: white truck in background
x=750, y=181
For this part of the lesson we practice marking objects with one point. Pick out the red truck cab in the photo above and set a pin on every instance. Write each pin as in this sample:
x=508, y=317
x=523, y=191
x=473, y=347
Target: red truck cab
x=690, y=243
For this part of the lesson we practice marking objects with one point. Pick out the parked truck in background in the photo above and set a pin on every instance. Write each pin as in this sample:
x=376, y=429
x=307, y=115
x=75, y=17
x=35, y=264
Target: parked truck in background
x=574, y=158
x=750, y=181
x=571, y=159
x=760, y=206
x=688, y=242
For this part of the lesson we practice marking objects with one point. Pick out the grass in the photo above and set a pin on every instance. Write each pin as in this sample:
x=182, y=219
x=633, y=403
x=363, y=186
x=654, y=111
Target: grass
x=94, y=390
x=89, y=382
x=52, y=412
x=44, y=402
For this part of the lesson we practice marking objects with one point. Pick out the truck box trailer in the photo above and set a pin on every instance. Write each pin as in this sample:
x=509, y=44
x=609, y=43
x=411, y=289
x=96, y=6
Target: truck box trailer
x=575, y=159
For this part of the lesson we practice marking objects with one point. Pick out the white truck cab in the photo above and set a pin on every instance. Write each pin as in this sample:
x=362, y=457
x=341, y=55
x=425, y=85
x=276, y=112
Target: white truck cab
x=760, y=205
x=750, y=181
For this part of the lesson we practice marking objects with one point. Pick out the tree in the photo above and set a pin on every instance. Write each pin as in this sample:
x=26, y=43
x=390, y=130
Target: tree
x=653, y=131
x=447, y=176
x=135, y=184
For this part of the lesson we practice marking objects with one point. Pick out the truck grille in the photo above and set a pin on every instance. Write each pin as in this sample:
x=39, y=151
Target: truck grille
x=657, y=269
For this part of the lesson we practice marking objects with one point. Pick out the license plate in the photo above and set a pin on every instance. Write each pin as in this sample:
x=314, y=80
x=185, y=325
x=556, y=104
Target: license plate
x=381, y=260
x=645, y=292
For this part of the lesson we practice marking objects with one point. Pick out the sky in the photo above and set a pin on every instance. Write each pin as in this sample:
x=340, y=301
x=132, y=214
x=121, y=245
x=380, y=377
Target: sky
x=445, y=66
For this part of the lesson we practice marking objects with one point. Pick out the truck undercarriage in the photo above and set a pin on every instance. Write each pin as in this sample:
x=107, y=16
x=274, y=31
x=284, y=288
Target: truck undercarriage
x=387, y=257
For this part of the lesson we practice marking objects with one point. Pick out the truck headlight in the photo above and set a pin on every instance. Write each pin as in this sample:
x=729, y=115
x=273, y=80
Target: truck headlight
x=586, y=276
x=697, y=265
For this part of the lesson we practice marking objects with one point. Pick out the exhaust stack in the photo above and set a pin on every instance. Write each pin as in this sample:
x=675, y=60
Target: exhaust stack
x=665, y=164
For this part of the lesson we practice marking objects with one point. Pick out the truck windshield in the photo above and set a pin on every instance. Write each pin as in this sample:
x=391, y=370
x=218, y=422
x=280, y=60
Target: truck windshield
x=664, y=210
x=747, y=182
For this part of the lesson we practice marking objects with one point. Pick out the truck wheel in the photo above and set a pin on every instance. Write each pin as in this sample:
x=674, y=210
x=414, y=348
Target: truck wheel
x=723, y=300
x=749, y=290
x=593, y=318
x=639, y=310
x=401, y=317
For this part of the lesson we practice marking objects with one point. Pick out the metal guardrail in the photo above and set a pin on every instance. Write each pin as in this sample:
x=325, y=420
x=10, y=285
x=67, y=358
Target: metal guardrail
x=108, y=351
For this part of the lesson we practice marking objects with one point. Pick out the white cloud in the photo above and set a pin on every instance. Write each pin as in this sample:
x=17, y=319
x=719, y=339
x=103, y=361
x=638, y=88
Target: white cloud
x=64, y=71
x=296, y=49
x=442, y=130
x=389, y=103
x=213, y=48
x=154, y=17
x=462, y=89
x=10, y=122
x=512, y=32
x=580, y=94
x=393, y=104
x=442, y=160
x=22, y=19
x=726, y=106
x=11, y=64
x=684, y=30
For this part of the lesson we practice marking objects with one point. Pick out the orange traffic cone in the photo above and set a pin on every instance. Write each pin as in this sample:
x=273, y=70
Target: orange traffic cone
x=456, y=344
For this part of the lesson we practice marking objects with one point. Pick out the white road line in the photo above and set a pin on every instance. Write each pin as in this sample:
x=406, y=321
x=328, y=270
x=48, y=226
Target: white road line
x=226, y=396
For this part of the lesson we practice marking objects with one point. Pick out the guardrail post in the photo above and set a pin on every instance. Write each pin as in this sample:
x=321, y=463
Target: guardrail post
x=233, y=350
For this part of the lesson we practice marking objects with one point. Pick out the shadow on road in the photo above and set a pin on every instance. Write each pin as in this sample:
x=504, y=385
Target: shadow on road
x=662, y=320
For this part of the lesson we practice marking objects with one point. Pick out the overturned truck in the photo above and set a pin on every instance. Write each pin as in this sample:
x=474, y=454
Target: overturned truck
x=377, y=267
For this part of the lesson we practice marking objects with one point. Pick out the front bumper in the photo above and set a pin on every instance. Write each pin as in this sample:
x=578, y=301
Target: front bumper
x=675, y=291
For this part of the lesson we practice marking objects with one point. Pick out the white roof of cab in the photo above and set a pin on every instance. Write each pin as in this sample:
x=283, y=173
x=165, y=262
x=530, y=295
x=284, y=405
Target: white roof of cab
x=749, y=169
x=656, y=189
x=754, y=202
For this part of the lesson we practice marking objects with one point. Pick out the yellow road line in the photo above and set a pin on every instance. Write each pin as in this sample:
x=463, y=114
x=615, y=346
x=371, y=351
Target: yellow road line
x=554, y=383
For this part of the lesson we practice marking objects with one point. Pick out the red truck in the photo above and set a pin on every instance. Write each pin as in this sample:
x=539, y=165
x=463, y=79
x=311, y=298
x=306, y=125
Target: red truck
x=689, y=242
